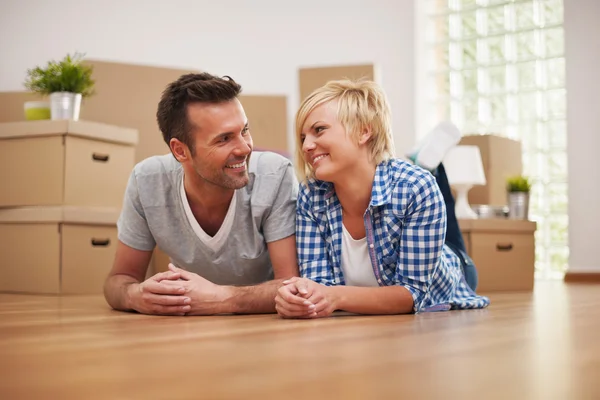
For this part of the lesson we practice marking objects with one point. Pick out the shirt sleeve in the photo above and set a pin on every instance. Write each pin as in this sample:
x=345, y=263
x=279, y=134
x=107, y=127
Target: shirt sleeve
x=422, y=240
x=132, y=225
x=281, y=220
x=311, y=245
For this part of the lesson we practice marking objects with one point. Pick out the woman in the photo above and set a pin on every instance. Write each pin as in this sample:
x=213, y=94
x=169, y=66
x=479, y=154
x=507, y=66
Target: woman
x=370, y=228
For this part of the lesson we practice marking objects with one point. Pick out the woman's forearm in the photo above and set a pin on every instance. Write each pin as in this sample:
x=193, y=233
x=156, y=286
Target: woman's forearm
x=372, y=300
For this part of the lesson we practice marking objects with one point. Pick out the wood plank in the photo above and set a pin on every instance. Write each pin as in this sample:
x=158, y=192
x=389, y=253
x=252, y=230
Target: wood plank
x=538, y=345
x=582, y=277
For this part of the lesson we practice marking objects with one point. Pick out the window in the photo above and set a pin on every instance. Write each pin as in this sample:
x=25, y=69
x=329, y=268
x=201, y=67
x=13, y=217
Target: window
x=498, y=67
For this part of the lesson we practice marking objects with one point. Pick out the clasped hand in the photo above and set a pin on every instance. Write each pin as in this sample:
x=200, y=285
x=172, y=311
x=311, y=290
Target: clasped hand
x=177, y=292
x=304, y=298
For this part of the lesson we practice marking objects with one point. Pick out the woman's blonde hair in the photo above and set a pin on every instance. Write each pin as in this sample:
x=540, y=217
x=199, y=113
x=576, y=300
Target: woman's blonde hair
x=361, y=105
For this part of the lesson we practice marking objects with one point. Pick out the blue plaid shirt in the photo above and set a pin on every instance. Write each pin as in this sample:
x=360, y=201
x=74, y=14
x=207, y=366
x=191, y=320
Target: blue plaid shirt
x=405, y=225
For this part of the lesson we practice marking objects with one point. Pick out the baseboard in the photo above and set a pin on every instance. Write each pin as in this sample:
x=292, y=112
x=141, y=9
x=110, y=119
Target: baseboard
x=582, y=277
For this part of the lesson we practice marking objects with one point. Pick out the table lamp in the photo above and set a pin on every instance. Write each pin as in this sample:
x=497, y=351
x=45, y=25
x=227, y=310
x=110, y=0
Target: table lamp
x=464, y=169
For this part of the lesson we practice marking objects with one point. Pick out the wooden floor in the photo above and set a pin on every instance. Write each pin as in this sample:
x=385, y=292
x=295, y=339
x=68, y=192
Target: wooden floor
x=544, y=345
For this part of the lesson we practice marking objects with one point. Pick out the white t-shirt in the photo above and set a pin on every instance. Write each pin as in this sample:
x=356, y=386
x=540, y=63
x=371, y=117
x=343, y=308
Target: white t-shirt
x=213, y=242
x=356, y=263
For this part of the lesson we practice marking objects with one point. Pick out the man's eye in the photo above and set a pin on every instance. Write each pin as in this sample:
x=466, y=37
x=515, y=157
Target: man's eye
x=224, y=139
x=245, y=130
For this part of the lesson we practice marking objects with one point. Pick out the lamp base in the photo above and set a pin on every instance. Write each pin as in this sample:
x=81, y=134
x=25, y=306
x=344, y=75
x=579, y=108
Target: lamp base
x=462, y=208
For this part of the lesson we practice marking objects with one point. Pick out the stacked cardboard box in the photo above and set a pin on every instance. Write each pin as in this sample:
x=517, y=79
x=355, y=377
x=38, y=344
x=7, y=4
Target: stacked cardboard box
x=62, y=185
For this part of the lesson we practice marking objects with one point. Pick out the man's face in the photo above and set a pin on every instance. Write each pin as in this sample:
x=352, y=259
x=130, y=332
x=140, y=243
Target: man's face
x=222, y=143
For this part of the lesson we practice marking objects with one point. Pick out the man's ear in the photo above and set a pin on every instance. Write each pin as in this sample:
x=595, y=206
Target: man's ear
x=365, y=135
x=179, y=149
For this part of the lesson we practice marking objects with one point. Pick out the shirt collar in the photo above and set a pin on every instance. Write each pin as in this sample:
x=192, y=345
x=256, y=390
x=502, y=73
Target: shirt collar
x=382, y=188
x=380, y=194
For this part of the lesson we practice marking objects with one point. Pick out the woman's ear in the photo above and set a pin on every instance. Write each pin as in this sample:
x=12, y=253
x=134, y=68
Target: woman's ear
x=179, y=149
x=365, y=135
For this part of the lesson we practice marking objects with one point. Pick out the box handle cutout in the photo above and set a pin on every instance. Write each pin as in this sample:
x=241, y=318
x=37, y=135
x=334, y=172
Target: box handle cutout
x=504, y=246
x=100, y=157
x=100, y=242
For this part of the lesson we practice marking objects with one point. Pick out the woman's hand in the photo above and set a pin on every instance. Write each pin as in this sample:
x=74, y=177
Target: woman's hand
x=304, y=298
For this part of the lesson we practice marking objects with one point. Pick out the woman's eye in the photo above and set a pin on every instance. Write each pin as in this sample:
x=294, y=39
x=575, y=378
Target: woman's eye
x=319, y=129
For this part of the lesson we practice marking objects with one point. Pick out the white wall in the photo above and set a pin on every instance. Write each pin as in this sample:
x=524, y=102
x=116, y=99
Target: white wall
x=260, y=43
x=583, y=132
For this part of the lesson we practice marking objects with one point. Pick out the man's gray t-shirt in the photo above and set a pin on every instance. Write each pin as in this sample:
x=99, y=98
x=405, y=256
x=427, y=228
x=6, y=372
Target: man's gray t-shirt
x=153, y=215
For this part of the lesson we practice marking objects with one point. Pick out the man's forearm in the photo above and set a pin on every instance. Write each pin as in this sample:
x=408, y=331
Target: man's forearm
x=372, y=300
x=258, y=299
x=115, y=291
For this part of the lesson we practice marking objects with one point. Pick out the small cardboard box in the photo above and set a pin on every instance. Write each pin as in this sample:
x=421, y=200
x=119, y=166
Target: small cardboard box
x=502, y=158
x=503, y=251
x=52, y=163
x=56, y=250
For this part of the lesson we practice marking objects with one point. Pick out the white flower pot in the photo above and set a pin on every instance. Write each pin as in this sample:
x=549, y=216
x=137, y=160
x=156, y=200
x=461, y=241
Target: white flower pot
x=65, y=105
x=518, y=205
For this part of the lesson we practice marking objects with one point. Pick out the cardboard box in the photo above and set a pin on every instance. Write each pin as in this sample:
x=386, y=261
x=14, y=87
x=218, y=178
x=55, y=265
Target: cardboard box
x=267, y=117
x=314, y=77
x=77, y=163
x=56, y=250
x=502, y=158
x=503, y=251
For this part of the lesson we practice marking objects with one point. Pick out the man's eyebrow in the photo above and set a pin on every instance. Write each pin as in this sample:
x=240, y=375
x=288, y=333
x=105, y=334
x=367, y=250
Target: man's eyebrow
x=220, y=135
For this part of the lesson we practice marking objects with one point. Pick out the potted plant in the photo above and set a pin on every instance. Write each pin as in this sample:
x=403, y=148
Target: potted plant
x=66, y=81
x=518, y=188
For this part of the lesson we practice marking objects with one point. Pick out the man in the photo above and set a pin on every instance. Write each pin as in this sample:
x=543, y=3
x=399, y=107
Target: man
x=226, y=219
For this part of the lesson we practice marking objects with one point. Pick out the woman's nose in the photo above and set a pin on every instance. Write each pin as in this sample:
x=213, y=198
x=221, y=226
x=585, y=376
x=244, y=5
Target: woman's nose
x=308, y=145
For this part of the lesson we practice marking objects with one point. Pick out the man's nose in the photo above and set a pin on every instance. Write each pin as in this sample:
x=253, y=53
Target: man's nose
x=244, y=146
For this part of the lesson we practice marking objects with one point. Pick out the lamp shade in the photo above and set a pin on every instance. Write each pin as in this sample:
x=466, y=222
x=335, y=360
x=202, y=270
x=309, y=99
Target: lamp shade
x=464, y=166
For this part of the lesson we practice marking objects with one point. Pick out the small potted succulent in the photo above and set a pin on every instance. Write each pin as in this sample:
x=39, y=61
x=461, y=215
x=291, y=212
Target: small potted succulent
x=66, y=82
x=518, y=189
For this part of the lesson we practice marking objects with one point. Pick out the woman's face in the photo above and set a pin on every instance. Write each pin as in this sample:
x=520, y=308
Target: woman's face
x=325, y=145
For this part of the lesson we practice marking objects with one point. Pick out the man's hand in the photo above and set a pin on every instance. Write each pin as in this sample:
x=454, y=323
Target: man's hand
x=162, y=294
x=304, y=298
x=206, y=297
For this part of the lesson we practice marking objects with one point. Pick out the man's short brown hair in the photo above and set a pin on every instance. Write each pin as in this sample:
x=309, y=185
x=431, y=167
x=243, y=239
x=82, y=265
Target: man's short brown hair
x=191, y=88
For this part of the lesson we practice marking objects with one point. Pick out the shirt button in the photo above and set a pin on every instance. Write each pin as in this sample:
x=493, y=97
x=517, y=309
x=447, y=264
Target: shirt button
x=371, y=245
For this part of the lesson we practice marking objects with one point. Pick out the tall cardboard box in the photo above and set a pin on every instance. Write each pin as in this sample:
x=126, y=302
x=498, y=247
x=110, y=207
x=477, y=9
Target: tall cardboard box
x=502, y=158
x=62, y=186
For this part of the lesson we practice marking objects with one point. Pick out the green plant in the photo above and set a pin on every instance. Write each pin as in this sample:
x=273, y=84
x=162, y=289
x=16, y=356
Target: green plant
x=518, y=184
x=67, y=75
